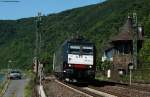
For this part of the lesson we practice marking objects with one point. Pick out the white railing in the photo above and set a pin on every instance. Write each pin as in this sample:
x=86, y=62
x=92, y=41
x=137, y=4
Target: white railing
x=41, y=91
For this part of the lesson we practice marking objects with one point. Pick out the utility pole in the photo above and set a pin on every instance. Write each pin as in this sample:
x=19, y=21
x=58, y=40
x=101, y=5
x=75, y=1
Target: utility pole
x=38, y=44
x=135, y=39
x=38, y=35
x=130, y=68
x=54, y=62
x=38, y=64
x=8, y=67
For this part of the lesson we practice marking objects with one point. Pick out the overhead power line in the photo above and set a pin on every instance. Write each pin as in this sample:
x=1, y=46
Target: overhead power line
x=10, y=1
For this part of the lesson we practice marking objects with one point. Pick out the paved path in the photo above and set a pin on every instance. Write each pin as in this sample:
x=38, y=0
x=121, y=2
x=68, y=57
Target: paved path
x=16, y=88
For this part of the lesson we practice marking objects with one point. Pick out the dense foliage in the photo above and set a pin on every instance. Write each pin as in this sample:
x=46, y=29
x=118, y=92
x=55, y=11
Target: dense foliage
x=97, y=22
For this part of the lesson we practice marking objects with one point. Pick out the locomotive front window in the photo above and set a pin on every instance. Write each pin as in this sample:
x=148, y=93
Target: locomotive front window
x=74, y=49
x=87, y=50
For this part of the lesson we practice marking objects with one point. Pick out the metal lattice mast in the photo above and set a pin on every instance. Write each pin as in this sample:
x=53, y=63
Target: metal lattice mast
x=135, y=39
x=38, y=35
x=37, y=43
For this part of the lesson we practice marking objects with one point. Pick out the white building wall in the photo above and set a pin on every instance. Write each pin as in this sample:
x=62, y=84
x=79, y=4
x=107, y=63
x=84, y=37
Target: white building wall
x=107, y=56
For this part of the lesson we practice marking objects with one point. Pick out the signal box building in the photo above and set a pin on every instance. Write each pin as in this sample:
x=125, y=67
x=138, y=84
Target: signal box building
x=120, y=48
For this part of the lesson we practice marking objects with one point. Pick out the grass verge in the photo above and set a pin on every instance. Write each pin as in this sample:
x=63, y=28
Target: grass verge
x=30, y=85
x=3, y=87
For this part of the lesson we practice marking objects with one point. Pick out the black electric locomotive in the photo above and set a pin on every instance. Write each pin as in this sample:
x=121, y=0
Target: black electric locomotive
x=75, y=60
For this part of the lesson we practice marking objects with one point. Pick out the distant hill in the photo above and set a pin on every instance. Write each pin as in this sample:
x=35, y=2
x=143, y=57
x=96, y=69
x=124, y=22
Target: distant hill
x=97, y=22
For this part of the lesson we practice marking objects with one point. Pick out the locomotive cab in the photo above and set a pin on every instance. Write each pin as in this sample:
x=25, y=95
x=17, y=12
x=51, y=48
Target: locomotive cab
x=76, y=61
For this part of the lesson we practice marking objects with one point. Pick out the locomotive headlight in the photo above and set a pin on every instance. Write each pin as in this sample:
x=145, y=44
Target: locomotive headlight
x=69, y=65
x=90, y=66
x=64, y=70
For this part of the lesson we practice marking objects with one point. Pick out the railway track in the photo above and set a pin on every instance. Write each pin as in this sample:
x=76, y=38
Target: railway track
x=112, y=89
x=103, y=89
x=85, y=90
x=71, y=90
x=121, y=90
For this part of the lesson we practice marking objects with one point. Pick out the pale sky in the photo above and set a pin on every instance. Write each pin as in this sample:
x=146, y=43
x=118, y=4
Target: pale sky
x=30, y=8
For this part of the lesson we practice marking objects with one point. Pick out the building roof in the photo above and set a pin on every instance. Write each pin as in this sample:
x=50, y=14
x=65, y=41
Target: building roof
x=126, y=32
x=108, y=47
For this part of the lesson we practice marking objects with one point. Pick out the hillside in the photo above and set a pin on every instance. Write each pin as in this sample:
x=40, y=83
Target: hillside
x=97, y=22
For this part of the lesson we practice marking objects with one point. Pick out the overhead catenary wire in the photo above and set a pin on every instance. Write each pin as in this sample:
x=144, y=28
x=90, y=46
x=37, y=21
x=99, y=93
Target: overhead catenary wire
x=9, y=1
